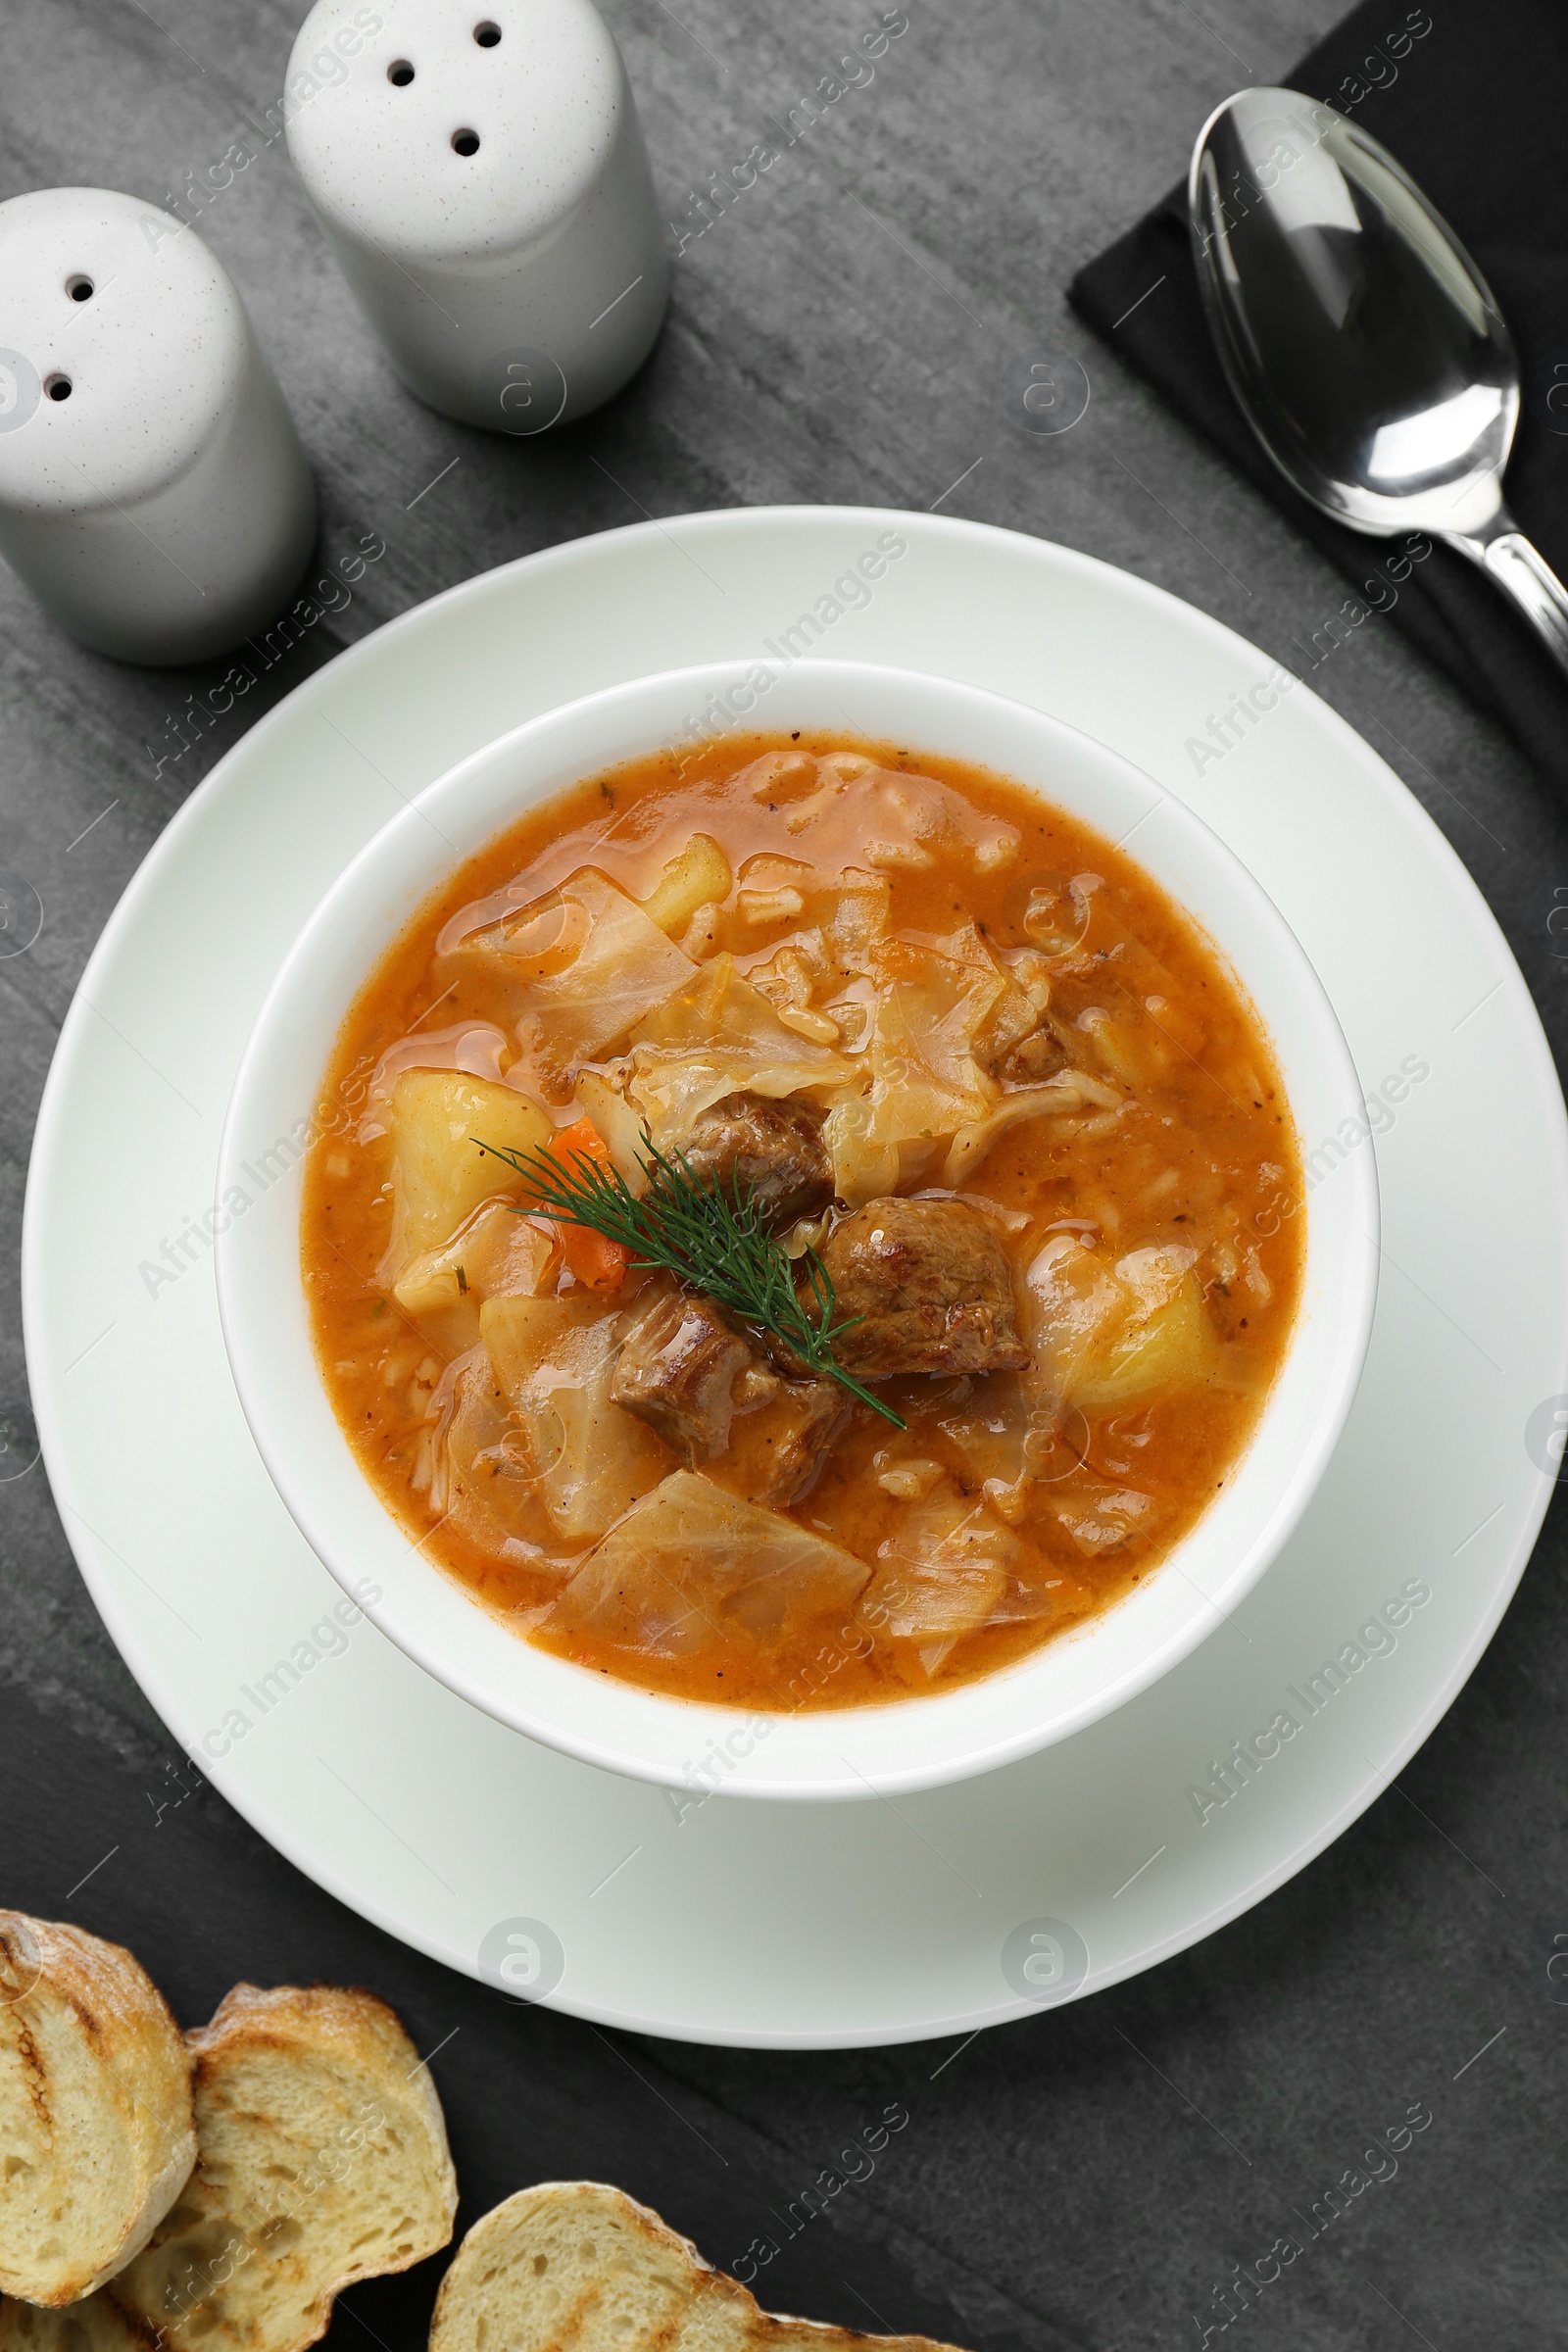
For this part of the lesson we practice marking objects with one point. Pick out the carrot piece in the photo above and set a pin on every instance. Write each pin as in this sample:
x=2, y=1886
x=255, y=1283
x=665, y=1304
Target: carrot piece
x=596, y=1261
x=581, y=1140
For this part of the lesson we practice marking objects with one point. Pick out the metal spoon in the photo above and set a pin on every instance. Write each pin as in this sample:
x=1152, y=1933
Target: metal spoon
x=1365, y=348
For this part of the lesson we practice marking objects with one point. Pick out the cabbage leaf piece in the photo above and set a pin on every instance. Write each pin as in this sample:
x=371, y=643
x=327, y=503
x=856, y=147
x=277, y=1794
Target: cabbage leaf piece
x=720, y=1036
x=691, y=1566
x=439, y=1174
x=850, y=908
x=1070, y=1091
x=482, y=1479
x=821, y=970
x=934, y=1001
x=1008, y=1436
x=846, y=917
x=887, y=819
x=941, y=1575
x=554, y=1359
x=866, y=1168
x=583, y=963
x=623, y=1129
x=945, y=1011
x=844, y=911
x=1102, y=1518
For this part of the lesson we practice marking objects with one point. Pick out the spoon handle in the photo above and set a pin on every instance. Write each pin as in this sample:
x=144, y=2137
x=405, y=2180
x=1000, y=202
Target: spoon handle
x=1523, y=573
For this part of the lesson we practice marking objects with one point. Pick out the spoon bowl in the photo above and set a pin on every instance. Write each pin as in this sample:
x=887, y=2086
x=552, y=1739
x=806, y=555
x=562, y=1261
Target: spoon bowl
x=1362, y=344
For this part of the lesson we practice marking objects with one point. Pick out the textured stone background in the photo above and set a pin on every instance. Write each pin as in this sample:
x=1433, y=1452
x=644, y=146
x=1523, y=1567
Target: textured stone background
x=843, y=333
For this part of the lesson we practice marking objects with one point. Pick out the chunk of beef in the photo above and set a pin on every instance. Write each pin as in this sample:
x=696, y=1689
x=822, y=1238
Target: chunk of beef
x=689, y=1373
x=685, y=1369
x=772, y=1149
x=931, y=1280
x=776, y=1451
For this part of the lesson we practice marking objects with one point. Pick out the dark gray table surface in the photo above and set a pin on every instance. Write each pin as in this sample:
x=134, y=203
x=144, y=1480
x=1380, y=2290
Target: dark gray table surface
x=844, y=333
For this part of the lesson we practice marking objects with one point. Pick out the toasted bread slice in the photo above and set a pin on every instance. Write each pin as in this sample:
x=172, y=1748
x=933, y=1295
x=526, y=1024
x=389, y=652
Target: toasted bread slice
x=323, y=2159
x=96, y=2134
x=576, y=2264
x=95, y=2325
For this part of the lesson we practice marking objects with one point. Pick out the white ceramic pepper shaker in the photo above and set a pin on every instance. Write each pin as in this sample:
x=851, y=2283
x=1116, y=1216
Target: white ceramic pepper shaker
x=480, y=169
x=153, y=492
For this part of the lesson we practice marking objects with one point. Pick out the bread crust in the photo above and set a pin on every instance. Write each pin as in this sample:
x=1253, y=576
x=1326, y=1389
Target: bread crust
x=96, y=2125
x=511, y=2262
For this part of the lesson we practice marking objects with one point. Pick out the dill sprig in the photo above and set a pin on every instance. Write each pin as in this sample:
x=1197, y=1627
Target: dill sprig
x=687, y=1225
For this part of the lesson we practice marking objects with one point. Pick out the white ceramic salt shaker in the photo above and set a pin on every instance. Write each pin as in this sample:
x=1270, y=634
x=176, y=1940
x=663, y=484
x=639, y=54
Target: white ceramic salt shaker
x=480, y=170
x=153, y=492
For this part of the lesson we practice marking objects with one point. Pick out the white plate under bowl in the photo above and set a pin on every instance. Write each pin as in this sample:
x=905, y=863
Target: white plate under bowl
x=805, y=1924
x=835, y=1753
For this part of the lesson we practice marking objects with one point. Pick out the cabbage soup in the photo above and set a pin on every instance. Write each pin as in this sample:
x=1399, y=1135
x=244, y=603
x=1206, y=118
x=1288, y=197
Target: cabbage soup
x=799, y=1223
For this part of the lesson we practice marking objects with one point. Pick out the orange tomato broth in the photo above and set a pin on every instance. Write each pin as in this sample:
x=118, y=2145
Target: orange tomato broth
x=1209, y=1148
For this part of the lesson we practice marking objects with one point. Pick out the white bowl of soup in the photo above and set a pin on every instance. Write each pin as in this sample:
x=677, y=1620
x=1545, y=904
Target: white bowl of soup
x=784, y=1264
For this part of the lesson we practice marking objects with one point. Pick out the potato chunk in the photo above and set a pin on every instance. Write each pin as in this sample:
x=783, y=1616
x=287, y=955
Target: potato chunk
x=1159, y=1349
x=554, y=1360
x=439, y=1174
x=1107, y=1336
x=497, y=1254
x=698, y=877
